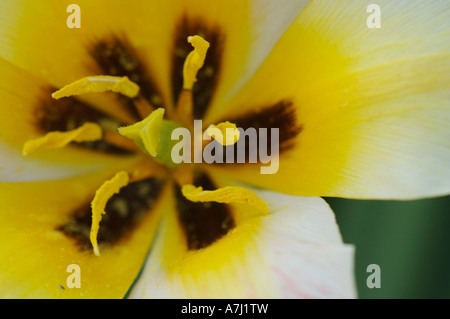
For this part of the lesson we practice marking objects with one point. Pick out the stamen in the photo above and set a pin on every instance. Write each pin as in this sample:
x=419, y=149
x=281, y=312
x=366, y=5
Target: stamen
x=99, y=84
x=230, y=130
x=143, y=107
x=103, y=194
x=183, y=175
x=144, y=169
x=86, y=133
x=184, y=108
x=114, y=138
x=227, y=195
x=194, y=61
x=148, y=131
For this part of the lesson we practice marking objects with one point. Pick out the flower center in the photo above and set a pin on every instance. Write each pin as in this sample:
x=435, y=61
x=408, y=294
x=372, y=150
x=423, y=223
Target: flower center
x=153, y=135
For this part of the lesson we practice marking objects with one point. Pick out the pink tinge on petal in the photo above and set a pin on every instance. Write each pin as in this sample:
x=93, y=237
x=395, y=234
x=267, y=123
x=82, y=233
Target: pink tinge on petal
x=297, y=252
x=311, y=271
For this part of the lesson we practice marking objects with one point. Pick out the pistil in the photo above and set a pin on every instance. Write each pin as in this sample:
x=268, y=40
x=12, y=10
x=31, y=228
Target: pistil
x=146, y=133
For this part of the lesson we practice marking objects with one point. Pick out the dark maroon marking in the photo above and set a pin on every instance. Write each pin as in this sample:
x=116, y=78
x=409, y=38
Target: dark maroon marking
x=203, y=223
x=124, y=211
x=70, y=113
x=116, y=56
x=281, y=115
x=208, y=75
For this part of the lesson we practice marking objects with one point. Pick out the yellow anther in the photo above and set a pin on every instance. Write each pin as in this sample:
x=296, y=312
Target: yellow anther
x=228, y=129
x=99, y=84
x=86, y=133
x=103, y=194
x=194, y=61
x=148, y=131
x=229, y=194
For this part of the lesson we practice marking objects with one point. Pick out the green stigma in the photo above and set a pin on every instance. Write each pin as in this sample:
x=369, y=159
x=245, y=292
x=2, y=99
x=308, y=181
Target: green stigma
x=153, y=135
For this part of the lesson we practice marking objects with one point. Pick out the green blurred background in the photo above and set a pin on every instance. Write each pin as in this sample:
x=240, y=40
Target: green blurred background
x=410, y=241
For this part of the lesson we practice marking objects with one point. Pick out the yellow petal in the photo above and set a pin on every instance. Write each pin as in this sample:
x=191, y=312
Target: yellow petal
x=35, y=254
x=24, y=99
x=297, y=249
x=373, y=103
x=61, y=55
x=245, y=40
x=249, y=37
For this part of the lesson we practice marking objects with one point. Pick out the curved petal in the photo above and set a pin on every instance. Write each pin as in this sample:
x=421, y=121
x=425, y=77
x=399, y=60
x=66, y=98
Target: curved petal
x=46, y=49
x=23, y=97
x=372, y=104
x=44, y=228
x=250, y=34
x=293, y=252
x=61, y=55
x=55, y=164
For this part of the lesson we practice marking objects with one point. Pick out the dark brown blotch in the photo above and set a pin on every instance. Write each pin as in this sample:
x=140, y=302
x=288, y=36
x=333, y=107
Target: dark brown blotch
x=124, y=211
x=116, y=56
x=203, y=223
x=70, y=113
x=281, y=115
x=208, y=75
